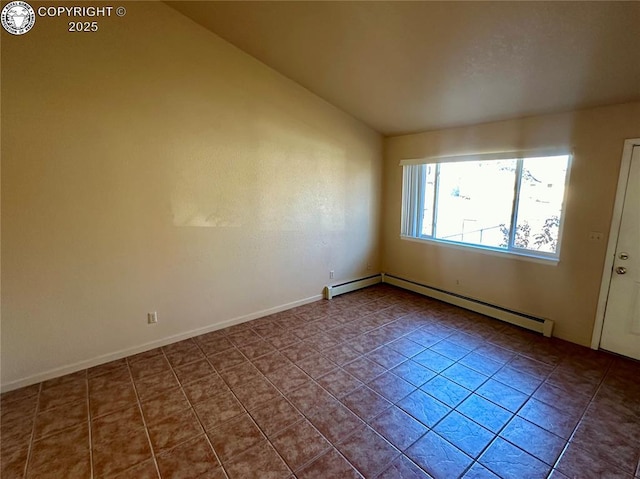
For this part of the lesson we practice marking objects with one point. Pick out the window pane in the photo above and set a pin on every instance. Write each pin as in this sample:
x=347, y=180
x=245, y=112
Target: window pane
x=540, y=203
x=430, y=187
x=474, y=202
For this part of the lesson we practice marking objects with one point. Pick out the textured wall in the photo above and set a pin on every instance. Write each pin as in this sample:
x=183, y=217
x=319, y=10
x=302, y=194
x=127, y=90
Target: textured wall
x=151, y=166
x=566, y=292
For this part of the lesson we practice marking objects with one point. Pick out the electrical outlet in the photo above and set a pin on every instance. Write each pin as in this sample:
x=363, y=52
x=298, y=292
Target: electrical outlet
x=368, y=266
x=152, y=318
x=331, y=274
x=595, y=236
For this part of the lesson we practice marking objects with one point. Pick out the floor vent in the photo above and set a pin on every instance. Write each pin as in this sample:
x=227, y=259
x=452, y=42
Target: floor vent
x=544, y=326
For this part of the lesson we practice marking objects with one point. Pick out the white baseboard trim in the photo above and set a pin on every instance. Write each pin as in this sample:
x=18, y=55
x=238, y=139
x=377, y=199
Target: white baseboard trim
x=123, y=353
x=539, y=325
x=349, y=286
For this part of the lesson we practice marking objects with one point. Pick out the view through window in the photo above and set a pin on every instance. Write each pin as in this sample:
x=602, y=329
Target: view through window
x=511, y=205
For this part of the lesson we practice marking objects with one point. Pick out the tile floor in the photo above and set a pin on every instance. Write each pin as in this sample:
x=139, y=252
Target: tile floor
x=379, y=383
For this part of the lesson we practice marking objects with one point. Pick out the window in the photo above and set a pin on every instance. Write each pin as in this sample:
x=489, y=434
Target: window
x=494, y=202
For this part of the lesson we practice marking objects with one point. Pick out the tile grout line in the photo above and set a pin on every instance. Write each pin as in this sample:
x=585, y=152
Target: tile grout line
x=304, y=416
x=365, y=423
x=514, y=415
x=215, y=453
x=191, y=406
x=144, y=422
x=496, y=435
x=392, y=404
x=204, y=429
x=574, y=430
x=569, y=439
x=33, y=432
x=453, y=409
x=264, y=376
x=90, y=427
x=364, y=384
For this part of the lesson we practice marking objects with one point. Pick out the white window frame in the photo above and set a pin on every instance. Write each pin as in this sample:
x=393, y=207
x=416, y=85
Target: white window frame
x=413, y=195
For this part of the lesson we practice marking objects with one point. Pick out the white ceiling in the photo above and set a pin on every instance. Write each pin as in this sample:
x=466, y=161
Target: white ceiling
x=403, y=67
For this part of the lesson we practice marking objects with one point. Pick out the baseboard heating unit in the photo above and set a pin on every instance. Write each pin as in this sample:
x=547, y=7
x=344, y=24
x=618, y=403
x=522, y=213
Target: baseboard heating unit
x=349, y=286
x=539, y=325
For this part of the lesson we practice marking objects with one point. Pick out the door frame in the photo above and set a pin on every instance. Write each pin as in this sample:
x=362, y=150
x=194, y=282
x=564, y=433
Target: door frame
x=616, y=219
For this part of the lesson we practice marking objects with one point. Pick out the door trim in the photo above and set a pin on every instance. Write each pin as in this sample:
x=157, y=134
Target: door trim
x=616, y=219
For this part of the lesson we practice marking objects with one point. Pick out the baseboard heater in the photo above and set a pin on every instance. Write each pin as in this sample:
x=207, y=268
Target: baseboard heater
x=349, y=286
x=539, y=325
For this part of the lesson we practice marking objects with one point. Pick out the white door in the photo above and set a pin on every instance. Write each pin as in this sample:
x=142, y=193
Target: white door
x=621, y=328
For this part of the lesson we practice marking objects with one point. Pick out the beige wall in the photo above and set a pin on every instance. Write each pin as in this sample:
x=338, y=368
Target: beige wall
x=566, y=292
x=151, y=166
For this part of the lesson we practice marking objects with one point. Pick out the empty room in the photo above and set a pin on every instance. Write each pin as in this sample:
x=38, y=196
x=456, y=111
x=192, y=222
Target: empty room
x=320, y=240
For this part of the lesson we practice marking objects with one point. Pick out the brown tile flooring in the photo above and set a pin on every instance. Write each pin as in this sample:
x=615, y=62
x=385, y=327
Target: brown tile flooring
x=379, y=383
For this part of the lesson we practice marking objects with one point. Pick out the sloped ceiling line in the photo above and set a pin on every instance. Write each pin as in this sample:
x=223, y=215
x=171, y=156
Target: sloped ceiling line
x=404, y=67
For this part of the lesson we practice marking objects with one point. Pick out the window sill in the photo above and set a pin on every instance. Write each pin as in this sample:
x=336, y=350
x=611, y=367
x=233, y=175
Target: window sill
x=485, y=250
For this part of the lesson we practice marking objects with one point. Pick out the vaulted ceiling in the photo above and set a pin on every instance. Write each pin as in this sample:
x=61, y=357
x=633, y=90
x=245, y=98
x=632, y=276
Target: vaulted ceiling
x=403, y=67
